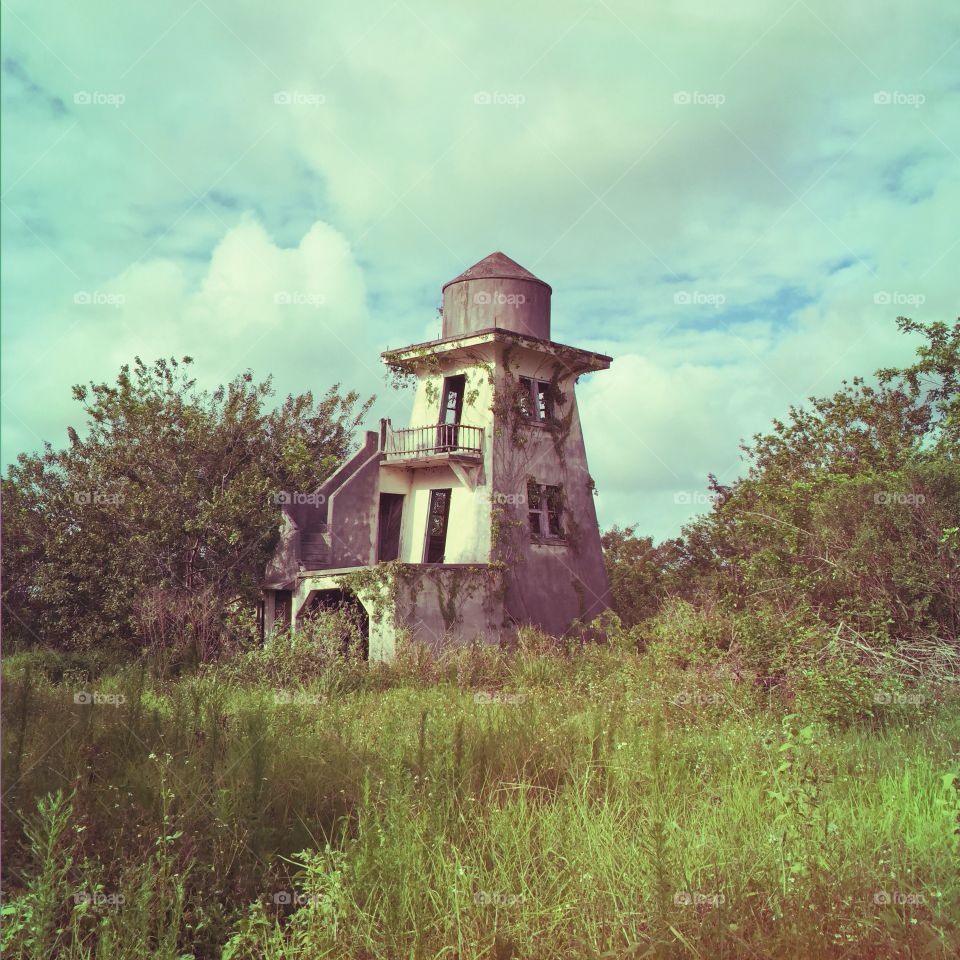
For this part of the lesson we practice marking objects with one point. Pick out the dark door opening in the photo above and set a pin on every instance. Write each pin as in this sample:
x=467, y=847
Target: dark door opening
x=451, y=409
x=282, y=603
x=437, y=518
x=347, y=620
x=388, y=536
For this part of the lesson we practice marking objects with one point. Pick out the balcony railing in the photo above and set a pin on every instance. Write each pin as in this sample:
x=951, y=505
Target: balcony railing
x=437, y=440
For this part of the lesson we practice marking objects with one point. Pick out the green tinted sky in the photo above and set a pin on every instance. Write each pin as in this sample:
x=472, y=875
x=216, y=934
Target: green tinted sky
x=734, y=200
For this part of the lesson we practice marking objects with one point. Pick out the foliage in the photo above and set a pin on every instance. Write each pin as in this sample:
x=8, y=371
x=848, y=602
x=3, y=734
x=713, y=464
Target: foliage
x=554, y=801
x=845, y=522
x=168, y=499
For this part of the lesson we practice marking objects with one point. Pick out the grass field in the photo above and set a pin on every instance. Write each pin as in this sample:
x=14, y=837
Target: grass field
x=539, y=804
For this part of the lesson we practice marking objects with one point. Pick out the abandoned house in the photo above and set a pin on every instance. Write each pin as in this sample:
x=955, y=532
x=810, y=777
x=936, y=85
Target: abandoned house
x=478, y=516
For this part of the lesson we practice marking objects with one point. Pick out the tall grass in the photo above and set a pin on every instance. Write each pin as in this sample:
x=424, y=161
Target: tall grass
x=535, y=804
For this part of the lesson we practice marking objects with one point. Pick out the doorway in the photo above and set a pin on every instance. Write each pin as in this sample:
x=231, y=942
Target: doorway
x=451, y=409
x=436, y=544
x=388, y=528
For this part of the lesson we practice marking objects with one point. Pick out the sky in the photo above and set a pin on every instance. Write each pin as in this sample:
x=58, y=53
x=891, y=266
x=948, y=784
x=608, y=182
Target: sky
x=734, y=201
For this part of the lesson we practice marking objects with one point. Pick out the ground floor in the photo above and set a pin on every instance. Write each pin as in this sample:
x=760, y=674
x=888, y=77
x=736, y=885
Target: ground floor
x=433, y=604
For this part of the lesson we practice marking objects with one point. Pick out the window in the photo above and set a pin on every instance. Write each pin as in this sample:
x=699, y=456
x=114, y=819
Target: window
x=436, y=543
x=545, y=510
x=535, y=399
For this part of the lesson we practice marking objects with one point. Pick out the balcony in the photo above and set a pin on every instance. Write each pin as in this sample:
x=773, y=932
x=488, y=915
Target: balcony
x=433, y=445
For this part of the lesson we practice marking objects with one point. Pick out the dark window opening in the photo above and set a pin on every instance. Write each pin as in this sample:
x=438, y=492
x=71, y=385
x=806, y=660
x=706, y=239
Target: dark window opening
x=388, y=537
x=451, y=409
x=525, y=397
x=545, y=510
x=535, y=400
x=437, y=519
x=282, y=604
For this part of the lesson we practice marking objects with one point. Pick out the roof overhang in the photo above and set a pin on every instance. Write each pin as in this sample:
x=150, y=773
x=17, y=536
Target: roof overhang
x=573, y=358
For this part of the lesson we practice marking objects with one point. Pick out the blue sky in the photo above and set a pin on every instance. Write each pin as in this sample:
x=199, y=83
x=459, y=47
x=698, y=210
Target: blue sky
x=735, y=201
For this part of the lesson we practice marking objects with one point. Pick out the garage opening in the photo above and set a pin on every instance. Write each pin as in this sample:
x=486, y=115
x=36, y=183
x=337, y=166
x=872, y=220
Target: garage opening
x=350, y=619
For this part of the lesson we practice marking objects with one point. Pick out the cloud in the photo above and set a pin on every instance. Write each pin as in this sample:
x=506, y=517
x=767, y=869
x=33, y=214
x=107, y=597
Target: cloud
x=735, y=202
x=300, y=312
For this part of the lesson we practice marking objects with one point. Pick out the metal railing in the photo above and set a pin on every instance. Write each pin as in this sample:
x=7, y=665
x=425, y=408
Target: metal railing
x=438, y=438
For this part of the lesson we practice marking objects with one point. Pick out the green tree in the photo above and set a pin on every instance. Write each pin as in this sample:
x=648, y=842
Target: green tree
x=170, y=489
x=849, y=506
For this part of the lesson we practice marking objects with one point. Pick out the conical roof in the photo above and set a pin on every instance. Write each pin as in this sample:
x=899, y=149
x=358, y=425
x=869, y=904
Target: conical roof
x=496, y=265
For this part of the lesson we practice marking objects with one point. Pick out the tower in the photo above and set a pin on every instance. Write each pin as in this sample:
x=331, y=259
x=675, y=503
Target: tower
x=478, y=515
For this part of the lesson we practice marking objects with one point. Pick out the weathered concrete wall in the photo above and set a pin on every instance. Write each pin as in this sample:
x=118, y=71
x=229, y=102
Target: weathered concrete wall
x=352, y=516
x=551, y=582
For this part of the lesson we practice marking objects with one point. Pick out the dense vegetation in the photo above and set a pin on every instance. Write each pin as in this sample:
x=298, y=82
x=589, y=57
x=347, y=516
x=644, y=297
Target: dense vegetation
x=580, y=802
x=163, y=510
x=754, y=754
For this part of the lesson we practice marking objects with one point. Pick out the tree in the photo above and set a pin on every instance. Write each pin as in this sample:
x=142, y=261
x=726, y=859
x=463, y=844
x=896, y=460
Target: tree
x=639, y=572
x=849, y=507
x=170, y=489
